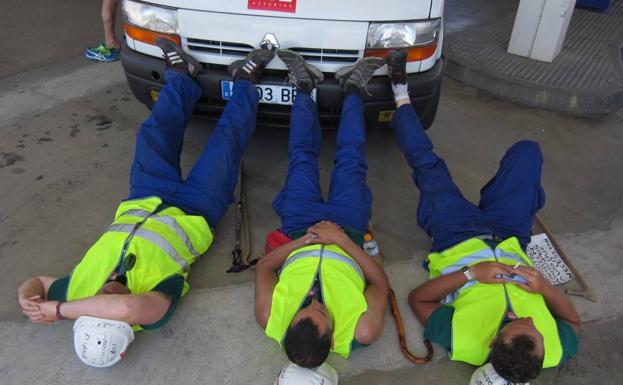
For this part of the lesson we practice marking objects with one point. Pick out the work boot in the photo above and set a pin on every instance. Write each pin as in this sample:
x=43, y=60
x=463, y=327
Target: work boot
x=178, y=60
x=397, y=66
x=301, y=75
x=397, y=72
x=252, y=66
x=355, y=78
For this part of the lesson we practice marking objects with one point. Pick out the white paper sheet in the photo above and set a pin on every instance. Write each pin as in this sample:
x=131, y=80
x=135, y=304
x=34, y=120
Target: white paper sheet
x=547, y=260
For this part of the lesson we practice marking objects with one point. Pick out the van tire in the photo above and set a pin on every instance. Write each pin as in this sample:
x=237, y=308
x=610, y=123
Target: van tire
x=428, y=117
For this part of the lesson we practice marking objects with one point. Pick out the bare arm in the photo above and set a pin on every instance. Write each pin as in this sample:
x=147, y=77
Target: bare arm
x=142, y=309
x=266, y=277
x=370, y=325
x=35, y=286
x=558, y=303
x=424, y=299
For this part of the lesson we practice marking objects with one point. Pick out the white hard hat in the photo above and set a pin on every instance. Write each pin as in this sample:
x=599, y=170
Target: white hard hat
x=101, y=342
x=292, y=374
x=486, y=375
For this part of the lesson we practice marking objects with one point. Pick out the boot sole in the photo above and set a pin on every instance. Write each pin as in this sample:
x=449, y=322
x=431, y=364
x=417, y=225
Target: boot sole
x=344, y=73
x=313, y=71
x=239, y=63
x=167, y=45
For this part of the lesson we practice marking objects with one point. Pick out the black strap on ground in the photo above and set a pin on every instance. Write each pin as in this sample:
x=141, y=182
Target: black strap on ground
x=240, y=258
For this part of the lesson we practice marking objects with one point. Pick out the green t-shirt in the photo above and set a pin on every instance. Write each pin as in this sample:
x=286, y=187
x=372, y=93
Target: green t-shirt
x=439, y=330
x=172, y=287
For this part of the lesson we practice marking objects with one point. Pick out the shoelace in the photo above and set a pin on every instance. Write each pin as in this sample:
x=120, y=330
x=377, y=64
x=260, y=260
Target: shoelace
x=102, y=49
x=291, y=79
x=364, y=84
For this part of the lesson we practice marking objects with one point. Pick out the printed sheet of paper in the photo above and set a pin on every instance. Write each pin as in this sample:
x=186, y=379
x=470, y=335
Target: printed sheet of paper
x=547, y=261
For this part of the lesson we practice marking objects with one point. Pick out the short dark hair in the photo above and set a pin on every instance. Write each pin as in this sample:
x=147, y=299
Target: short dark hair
x=516, y=361
x=305, y=346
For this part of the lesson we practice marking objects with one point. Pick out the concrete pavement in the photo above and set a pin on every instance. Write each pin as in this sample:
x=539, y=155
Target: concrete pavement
x=39, y=33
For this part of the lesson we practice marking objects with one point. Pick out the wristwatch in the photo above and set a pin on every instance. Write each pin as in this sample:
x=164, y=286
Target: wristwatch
x=467, y=273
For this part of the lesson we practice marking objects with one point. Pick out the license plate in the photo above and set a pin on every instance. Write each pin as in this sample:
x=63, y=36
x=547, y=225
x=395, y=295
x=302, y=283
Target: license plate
x=268, y=93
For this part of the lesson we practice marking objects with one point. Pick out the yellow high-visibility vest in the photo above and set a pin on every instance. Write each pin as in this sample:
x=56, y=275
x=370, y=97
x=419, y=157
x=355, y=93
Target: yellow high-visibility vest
x=165, y=244
x=342, y=284
x=479, y=308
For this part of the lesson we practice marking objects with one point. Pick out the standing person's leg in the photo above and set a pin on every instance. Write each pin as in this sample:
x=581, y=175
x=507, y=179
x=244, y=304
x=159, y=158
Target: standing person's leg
x=299, y=204
x=512, y=197
x=109, y=16
x=350, y=198
x=156, y=169
x=443, y=212
x=209, y=188
x=109, y=49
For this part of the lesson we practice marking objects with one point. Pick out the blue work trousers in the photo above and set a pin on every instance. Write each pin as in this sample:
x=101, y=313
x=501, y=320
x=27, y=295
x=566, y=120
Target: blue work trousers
x=300, y=203
x=209, y=188
x=508, y=201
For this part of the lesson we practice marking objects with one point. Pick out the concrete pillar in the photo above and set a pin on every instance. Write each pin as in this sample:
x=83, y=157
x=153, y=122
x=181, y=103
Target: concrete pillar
x=540, y=28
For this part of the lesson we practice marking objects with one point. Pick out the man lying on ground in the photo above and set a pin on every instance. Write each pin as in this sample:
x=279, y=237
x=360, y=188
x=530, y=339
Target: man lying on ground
x=321, y=292
x=137, y=270
x=484, y=301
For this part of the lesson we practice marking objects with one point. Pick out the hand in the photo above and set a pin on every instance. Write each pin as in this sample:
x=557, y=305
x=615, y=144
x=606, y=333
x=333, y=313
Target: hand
x=26, y=301
x=43, y=312
x=536, y=282
x=487, y=272
x=325, y=233
x=30, y=307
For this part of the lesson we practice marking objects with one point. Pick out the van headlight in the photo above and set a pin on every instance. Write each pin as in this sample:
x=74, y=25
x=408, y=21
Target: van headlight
x=147, y=16
x=418, y=38
x=404, y=34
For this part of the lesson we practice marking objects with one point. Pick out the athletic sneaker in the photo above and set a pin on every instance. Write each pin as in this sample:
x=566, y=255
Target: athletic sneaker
x=102, y=53
x=177, y=60
x=397, y=66
x=252, y=66
x=301, y=75
x=356, y=77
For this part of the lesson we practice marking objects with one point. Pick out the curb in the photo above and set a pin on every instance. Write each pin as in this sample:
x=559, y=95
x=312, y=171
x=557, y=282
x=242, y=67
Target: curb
x=584, y=104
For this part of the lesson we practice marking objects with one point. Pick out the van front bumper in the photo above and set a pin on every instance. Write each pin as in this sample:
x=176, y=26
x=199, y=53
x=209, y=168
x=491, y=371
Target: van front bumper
x=145, y=75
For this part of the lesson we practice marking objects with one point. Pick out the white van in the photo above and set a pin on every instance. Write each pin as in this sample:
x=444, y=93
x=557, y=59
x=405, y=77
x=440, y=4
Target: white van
x=330, y=34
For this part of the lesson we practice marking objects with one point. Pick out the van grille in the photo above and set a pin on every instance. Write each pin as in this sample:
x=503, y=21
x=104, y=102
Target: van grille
x=219, y=47
x=326, y=55
x=322, y=55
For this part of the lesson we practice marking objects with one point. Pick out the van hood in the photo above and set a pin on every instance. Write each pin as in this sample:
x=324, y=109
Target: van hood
x=346, y=10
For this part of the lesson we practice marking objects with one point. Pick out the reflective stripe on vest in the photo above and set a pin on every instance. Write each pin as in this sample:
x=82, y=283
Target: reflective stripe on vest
x=326, y=254
x=169, y=222
x=480, y=308
x=154, y=238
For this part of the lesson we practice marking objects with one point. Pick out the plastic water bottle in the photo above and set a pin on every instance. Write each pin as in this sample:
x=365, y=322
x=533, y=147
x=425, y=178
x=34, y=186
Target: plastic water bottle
x=370, y=246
